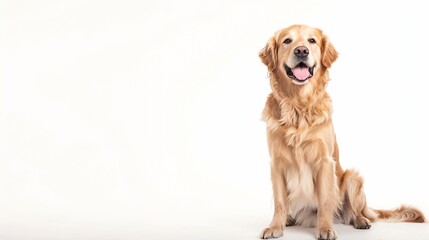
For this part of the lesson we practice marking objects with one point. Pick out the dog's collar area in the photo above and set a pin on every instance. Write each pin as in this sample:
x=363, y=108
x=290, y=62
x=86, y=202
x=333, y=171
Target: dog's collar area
x=300, y=73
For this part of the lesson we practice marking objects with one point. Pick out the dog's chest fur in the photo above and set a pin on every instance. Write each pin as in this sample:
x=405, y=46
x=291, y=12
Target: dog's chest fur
x=296, y=120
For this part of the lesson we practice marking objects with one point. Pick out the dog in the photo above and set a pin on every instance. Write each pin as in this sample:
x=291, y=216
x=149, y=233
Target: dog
x=310, y=187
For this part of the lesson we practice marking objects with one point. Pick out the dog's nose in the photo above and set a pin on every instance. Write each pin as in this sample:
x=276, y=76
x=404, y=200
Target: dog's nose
x=301, y=51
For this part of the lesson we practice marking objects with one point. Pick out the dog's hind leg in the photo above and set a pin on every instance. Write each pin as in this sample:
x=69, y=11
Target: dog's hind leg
x=355, y=210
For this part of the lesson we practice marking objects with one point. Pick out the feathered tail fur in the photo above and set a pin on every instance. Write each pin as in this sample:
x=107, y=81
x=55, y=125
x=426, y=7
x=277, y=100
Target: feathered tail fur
x=401, y=214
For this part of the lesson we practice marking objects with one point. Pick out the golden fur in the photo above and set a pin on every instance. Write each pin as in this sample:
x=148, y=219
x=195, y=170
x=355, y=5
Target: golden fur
x=310, y=188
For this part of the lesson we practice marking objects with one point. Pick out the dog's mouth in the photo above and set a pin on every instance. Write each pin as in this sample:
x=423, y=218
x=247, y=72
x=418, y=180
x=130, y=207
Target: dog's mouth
x=300, y=73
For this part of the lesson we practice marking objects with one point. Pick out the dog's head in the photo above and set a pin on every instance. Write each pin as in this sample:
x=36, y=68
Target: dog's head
x=298, y=54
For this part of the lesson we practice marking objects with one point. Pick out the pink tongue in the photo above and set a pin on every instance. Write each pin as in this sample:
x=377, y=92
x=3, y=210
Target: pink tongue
x=301, y=73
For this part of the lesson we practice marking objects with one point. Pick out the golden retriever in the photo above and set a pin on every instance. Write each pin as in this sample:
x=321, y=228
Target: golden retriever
x=310, y=188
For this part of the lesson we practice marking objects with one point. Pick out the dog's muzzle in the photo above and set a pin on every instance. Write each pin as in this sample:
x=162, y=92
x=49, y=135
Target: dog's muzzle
x=301, y=72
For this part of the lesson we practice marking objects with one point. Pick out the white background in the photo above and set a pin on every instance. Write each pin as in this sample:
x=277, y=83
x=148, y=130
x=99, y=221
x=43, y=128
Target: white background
x=141, y=119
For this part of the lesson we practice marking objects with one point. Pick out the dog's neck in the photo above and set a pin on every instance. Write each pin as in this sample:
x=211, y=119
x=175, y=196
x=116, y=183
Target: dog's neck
x=310, y=101
x=305, y=95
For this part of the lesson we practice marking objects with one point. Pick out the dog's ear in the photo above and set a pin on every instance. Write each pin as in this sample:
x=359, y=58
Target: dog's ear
x=268, y=54
x=329, y=54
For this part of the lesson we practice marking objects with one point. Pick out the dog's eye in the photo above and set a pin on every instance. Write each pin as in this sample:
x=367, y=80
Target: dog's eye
x=287, y=41
x=312, y=40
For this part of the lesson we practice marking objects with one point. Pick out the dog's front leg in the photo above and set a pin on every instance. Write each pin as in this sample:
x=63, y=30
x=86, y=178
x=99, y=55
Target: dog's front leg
x=275, y=229
x=328, y=199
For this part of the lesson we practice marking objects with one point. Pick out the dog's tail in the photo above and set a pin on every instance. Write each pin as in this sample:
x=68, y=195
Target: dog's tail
x=401, y=214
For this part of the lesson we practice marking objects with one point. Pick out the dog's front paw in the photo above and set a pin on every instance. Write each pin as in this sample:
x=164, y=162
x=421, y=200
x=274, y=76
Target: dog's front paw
x=272, y=232
x=326, y=234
